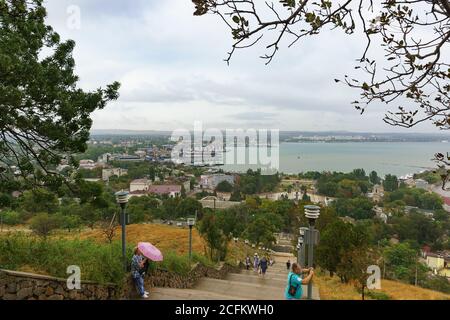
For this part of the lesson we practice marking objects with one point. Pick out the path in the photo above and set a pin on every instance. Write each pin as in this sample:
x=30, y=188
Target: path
x=246, y=285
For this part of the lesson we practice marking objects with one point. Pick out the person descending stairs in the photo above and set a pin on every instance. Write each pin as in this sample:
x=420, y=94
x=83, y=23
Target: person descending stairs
x=246, y=285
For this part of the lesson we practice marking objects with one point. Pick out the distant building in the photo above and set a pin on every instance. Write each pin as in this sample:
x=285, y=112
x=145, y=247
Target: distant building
x=215, y=203
x=141, y=153
x=348, y=219
x=170, y=190
x=140, y=185
x=62, y=167
x=425, y=251
x=108, y=173
x=380, y=214
x=125, y=158
x=104, y=158
x=87, y=164
x=211, y=181
x=427, y=213
x=377, y=193
x=439, y=263
x=421, y=184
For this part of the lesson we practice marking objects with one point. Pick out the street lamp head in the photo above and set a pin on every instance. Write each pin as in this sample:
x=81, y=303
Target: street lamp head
x=191, y=222
x=122, y=197
x=312, y=213
x=303, y=231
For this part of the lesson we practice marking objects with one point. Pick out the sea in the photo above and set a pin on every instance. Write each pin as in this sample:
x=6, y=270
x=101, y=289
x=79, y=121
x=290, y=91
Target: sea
x=398, y=158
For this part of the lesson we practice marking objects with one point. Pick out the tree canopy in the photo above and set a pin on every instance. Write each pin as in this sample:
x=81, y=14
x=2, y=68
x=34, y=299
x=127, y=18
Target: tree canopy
x=45, y=117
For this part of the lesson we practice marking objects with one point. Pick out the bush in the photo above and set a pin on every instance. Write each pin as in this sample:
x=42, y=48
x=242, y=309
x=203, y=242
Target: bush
x=376, y=295
x=99, y=263
x=174, y=263
x=11, y=218
x=43, y=224
x=437, y=283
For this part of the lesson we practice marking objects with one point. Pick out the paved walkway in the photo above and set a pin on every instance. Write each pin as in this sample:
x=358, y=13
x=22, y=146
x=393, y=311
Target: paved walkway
x=247, y=285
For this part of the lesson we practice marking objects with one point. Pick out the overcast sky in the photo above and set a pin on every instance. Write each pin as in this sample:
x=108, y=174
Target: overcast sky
x=171, y=67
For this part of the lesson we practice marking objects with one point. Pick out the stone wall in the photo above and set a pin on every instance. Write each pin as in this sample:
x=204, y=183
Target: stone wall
x=168, y=279
x=26, y=286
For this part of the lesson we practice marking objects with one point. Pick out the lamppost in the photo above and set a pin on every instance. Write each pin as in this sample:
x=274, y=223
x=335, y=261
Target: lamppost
x=302, y=243
x=312, y=213
x=122, y=200
x=299, y=250
x=191, y=224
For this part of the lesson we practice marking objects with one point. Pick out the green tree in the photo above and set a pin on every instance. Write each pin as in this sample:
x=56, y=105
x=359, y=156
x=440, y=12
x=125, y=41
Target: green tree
x=5, y=200
x=357, y=208
x=390, y=183
x=10, y=218
x=224, y=186
x=43, y=224
x=189, y=207
x=236, y=195
x=261, y=231
x=39, y=200
x=402, y=261
x=335, y=240
x=45, y=116
x=214, y=237
x=373, y=177
x=353, y=266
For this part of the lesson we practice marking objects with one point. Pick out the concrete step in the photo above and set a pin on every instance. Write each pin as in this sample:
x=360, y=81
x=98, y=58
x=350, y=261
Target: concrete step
x=254, y=279
x=188, y=294
x=269, y=274
x=241, y=289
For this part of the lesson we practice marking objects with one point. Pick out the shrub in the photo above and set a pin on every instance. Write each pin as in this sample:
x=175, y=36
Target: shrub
x=174, y=262
x=11, y=218
x=43, y=224
x=376, y=295
x=99, y=263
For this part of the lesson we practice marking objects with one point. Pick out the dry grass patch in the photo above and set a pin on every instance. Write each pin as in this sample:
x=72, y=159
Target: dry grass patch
x=163, y=236
x=331, y=288
x=402, y=291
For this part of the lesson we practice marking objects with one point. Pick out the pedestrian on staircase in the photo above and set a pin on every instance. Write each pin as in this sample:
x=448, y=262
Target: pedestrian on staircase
x=137, y=265
x=288, y=264
x=256, y=262
x=295, y=282
x=263, y=264
x=247, y=262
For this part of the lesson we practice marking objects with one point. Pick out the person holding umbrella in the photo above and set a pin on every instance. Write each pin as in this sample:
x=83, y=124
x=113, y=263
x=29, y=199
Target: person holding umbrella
x=143, y=252
x=137, y=264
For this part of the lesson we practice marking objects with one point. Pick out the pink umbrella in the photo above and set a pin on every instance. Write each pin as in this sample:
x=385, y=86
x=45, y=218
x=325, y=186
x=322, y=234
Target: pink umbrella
x=150, y=251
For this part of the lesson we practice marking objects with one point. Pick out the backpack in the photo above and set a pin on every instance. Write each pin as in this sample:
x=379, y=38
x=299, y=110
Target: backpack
x=292, y=289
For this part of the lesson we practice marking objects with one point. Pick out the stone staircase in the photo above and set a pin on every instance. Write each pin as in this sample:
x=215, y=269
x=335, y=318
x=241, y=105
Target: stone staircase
x=247, y=285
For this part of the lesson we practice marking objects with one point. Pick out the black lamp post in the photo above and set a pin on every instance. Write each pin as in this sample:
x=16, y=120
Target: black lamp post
x=191, y=224
x=122, y=200
x=301, y=244
x=312, y=213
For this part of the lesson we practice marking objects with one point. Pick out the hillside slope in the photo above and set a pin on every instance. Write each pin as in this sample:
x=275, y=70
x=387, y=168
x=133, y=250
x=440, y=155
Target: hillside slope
x=332, y=289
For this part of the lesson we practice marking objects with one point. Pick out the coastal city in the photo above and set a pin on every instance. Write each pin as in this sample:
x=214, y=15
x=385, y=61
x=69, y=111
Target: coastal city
x=224, y=159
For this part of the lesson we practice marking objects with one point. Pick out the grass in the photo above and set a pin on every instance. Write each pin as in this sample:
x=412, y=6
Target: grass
x=99, y=263
x=166, y=238
x=331, y=288
x=26, y=252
